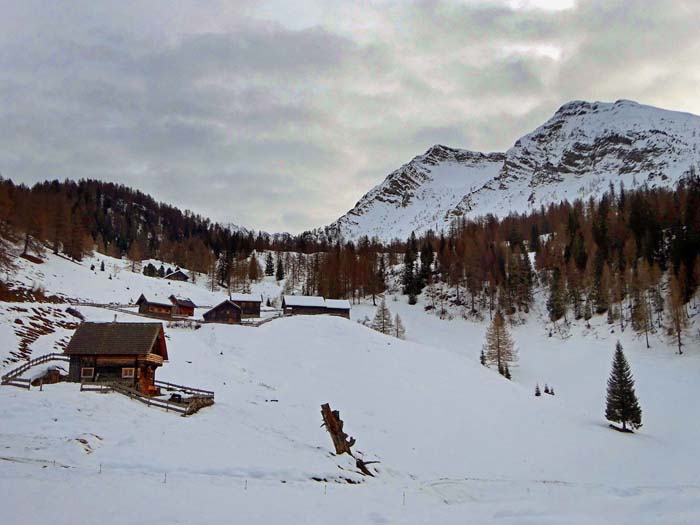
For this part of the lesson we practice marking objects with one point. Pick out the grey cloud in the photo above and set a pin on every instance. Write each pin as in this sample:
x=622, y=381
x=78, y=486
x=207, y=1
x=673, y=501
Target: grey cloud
x=237, y=114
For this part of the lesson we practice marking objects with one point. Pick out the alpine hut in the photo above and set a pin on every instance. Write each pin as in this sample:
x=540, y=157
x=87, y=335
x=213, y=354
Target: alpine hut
x=128, y=353
x=177, y=275
x=154, y=309
x=249, y=303
x=182, y=306
x=226, y=312
x=339, y=307
x=303, y=305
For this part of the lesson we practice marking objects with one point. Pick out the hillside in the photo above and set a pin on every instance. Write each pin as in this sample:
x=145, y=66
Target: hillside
x=455, y=440
x=576, y=154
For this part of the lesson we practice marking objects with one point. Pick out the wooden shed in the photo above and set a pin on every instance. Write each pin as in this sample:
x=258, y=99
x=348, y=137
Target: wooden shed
x=339, y=307
x=249, y=303
x=182, y=306
x=177, y=275
x=303, y=305
x=128, y=353
x=155, y=309
x=226, y=312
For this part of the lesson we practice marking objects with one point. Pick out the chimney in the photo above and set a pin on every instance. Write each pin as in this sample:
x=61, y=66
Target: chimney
x=115, y=318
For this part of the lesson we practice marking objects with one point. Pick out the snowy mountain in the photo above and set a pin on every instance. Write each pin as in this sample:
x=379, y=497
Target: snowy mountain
x=576, y=154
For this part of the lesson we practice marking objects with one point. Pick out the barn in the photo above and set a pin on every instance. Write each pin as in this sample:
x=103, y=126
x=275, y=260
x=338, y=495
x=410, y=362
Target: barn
x=303, y=305
x=127, y=353
x=339, y=307
x=177, y=275
x=182, y=306
x=249, y=303
x=154, y=309
x=226, y=312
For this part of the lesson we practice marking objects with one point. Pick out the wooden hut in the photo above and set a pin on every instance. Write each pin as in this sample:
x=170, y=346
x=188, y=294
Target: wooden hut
x=226, y=312
x=182, y=306
x=128, y=353
x=249, y=303
x=177, y=275
x=155, y=309
x=303, y=305
x=339, y=307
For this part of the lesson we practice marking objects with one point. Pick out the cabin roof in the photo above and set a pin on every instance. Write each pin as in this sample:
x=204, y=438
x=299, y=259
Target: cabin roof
x=182, y=301
x=305, y=300
x=175, y=273
x=221, y=304
x=114, y=338
x=339, y=304
x=248, y=297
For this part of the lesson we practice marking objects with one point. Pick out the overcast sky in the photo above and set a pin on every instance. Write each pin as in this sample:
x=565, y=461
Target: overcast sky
x=279, y=115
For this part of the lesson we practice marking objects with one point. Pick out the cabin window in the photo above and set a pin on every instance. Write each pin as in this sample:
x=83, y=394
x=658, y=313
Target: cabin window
x=127, y=373
x=87, y=372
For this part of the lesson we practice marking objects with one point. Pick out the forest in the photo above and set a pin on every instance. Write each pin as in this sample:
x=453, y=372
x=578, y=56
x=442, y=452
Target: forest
x=631, y=254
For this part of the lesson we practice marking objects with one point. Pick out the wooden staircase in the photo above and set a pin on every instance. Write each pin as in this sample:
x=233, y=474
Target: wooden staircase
x=12, y=378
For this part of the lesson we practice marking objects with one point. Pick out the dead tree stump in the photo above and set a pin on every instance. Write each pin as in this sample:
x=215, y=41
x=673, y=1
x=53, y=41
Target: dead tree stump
x=341, y=441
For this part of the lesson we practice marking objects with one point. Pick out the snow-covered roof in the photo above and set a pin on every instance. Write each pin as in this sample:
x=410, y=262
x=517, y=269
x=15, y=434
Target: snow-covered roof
x=304, y=300
x=246, y=297
x=340, y=304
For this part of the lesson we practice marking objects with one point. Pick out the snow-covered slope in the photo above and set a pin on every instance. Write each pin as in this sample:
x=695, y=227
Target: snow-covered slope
x=575, y=154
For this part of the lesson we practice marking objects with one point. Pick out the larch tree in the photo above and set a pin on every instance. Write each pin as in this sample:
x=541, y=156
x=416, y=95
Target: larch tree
x=678, y=318
x=621, y=404
x=399, y=330
x=382, y=319
x=499, y=347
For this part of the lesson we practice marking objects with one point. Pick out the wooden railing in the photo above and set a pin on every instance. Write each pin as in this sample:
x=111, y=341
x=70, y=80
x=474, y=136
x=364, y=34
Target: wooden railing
x=14, y=374
x=133, y=394
x=186, y=389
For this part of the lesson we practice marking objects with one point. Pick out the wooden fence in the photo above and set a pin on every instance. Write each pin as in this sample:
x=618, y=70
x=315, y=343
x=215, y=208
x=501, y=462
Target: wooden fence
x=12, y=378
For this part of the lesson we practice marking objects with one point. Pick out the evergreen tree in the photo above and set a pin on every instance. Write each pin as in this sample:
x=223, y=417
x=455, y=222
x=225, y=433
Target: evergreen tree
x=546, y=388
x=102, y=266
x=253, y=268
x=556, y=305
x=269, y=265
x=551, y=390
x=506, y=372
x=382, y=319
x=621, y=402
x=161, y=271
x=676, y=312
x=279, y=271
x=482, y=357
x=399, y=330
x=537, y=390
x=499, y=346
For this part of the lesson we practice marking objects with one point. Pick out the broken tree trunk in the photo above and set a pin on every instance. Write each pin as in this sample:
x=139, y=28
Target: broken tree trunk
x=342, y=442
x=334, y=426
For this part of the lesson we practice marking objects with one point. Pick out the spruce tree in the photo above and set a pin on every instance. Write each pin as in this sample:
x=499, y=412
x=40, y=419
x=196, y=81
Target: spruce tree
x=546, y=388
x=482, y=358
x=537, y=390
x=279, y=272
x=102, y=266
x=621, y=402
x=269, y=265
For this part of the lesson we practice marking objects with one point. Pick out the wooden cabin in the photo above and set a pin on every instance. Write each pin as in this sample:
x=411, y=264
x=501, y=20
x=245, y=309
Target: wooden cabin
x=226, y=312
x=182, y=306
x=177, y=275
x=339, y=307
x=128, y=353
x=155, y=309
x=249, y=303
x=303, y=305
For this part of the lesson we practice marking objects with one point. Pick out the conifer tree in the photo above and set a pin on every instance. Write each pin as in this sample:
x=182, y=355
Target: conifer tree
x=399, y=330
x=556, y=305
x=506, y=372
x=102, y=266
x=382, y=319
x=621, y=402
x=676, y=312
x=538, y=393
x=546, y=388
x=279, y=271
x=499, y=348
x=482, y=357
x=253, y=268
x=269, y=265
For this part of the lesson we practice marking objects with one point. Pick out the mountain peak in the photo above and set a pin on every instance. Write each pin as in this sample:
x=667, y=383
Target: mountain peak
x=582, y=149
